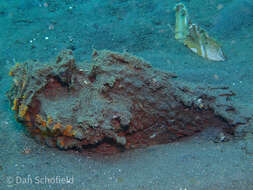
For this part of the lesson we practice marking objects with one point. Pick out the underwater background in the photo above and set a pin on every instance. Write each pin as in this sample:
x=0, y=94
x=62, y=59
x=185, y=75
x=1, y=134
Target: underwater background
x=39, y=30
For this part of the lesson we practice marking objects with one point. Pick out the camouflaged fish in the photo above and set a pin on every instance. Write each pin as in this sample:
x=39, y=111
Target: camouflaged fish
x=195, y=37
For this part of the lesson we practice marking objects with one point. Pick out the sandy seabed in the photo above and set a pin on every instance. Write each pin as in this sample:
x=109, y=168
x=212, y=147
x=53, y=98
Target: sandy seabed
x=35, y=29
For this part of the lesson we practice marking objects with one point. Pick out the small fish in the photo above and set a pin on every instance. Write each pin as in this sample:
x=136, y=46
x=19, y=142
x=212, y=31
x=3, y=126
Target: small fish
x=199, y=42
x=196, y=38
